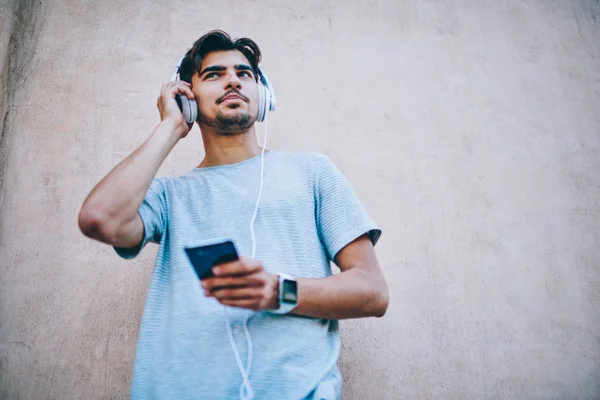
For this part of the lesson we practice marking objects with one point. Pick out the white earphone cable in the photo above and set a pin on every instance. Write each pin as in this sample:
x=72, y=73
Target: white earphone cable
x=246, y=392
x=262, y=173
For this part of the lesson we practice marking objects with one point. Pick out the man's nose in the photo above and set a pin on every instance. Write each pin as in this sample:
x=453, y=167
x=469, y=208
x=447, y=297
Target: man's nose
x=233, y=81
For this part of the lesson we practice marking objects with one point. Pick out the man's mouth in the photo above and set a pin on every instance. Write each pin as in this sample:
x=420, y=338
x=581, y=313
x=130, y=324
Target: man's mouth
x=232, y=97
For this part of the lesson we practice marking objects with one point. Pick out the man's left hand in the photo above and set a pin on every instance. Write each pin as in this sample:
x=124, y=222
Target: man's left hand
x=243, y=283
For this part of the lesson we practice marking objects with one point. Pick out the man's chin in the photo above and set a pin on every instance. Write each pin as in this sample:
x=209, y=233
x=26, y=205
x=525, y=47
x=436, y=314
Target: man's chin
x=230, y=122
x=234, y=112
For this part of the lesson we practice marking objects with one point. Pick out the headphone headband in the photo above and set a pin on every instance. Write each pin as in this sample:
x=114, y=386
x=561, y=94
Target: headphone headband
x=176, y=74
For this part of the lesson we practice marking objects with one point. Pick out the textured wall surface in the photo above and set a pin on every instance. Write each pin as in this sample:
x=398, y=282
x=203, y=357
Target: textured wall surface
x=470, y=130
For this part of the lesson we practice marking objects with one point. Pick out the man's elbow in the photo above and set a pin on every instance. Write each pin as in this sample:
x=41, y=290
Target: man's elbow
x=94, y=225
x=381, y=303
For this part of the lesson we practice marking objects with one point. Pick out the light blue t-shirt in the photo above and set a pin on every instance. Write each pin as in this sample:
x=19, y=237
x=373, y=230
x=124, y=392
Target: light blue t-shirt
x=308, y=213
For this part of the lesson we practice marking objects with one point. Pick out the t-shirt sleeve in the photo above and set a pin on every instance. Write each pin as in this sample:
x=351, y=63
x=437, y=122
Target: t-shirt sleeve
x=341, y=217
x=153, y=212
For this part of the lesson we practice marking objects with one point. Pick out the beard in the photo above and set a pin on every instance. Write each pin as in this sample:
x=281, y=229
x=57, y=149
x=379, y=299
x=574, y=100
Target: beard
x=229, y=125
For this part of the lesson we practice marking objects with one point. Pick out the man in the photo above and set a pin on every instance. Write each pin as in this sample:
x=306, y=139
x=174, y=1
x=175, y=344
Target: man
x=192, y=342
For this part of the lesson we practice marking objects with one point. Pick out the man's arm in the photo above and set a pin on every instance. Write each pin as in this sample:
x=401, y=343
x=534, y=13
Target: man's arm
x=358, y=291
x=110, y=212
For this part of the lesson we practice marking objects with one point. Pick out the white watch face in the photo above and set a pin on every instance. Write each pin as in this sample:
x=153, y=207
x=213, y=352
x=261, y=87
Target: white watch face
x=290, y=291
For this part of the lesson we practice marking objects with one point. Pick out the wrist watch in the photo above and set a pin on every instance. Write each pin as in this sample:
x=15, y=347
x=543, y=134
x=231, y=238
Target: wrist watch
x=288, y=294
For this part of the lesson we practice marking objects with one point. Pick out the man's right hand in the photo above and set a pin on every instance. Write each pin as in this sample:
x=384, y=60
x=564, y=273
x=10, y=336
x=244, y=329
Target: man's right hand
x=168, y=108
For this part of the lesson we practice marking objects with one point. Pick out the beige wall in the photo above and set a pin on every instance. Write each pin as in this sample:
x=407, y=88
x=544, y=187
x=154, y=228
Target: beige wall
x=470, y=129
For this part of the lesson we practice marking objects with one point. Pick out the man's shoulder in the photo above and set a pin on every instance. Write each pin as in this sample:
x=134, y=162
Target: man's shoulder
x=304, y=157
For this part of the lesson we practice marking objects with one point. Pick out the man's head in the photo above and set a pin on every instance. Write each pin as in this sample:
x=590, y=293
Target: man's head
x=224, y=77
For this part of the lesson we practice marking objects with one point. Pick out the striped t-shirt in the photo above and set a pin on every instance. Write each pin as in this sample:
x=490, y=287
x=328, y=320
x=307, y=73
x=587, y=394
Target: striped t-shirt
x=308, y=212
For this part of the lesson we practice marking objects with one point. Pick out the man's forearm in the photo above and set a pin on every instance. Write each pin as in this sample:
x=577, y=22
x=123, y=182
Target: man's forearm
x=117, y=198
x=351, y=294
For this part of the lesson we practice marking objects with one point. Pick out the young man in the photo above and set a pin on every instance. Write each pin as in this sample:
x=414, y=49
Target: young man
x=235, y=334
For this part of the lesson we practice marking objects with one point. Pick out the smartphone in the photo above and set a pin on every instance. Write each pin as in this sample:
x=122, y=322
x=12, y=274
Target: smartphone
x=204, y=258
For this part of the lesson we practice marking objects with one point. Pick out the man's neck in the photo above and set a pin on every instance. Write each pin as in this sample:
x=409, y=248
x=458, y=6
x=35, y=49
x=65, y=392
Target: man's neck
x=228, y=149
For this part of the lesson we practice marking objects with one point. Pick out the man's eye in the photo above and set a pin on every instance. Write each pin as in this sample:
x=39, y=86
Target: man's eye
x=211, y=75
x=246, y=73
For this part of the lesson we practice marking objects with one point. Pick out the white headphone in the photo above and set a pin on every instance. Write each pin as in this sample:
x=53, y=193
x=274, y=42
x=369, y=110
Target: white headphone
x=266, y=98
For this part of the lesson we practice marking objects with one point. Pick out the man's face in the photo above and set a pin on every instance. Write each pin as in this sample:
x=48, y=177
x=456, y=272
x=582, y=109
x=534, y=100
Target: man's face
x=226, y=92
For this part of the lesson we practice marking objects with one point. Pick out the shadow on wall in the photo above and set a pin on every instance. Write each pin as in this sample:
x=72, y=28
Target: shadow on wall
x=21, y=25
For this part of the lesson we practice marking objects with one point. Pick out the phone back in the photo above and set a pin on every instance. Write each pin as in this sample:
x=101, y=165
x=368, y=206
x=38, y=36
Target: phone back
x=204, y=258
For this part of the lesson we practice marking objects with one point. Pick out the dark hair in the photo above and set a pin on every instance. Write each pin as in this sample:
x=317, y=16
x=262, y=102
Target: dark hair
x=217, y=40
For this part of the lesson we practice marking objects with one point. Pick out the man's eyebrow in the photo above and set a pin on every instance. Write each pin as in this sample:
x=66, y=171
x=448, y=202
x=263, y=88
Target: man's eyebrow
x=213, y=68
x=219, y=68
x=243, y=67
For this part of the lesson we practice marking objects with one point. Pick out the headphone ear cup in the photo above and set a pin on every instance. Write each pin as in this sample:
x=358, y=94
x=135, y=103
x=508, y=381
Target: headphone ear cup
x=267, y=102
x=271, y=99
x=189, y=108
x=261, y=103
x=270, y=93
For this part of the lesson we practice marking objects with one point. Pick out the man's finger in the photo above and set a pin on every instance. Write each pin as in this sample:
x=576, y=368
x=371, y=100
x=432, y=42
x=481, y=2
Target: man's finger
x=250, y=304
x=243, y=266
x=232, y=281
x=245, y=293
x=182, y=89
x=171, y=84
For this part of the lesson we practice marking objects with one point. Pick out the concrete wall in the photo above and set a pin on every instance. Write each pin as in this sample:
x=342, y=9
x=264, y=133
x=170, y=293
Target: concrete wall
x=470, y=129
